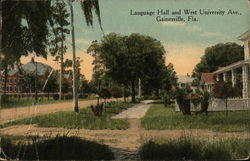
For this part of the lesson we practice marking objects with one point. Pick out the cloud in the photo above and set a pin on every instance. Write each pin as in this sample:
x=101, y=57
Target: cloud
x=193, y=28
x=211, y=34
x=81, y=41
x=171, y=23
x=182, y=25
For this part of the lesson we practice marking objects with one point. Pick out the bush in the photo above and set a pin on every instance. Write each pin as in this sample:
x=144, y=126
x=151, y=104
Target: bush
x=191, y=149
x=56, y=96
x=83, y=95
x=59, y=148
x=4, y=99
x=183, y=100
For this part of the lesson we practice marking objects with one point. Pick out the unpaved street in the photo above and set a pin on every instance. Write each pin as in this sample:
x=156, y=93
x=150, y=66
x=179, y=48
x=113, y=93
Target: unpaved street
x=10, y=114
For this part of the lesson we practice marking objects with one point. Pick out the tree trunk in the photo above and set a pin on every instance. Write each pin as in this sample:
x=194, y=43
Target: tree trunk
x=133, y=91
x=75, y=97
x=61, y=63
x=5, y=78
x=61, y=74
x=226, y=107
x=124, y=94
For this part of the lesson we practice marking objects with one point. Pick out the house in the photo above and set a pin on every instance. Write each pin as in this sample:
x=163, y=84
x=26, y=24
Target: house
x=207, y=82
x=184, y=81
x=14, y=75
x=239, y=71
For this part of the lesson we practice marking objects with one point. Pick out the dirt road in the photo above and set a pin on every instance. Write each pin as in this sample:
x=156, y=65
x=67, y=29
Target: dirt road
x=11, y=114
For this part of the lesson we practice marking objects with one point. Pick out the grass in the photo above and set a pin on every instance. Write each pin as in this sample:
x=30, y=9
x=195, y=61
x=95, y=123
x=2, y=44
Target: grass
x=58, y=148
x=85, y=119
x=160, y=118
x=27, y=101
x=187, y=148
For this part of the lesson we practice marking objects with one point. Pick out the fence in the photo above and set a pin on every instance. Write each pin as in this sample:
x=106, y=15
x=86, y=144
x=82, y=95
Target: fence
x=233, y=104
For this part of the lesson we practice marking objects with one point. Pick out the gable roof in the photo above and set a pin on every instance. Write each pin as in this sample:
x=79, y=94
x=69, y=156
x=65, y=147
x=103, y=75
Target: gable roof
x=208, y=78
x=244, y=36
x=41, y=68
x=184, y=79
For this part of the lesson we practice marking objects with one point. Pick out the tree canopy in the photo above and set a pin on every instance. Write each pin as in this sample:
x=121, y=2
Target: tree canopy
x=219, y=55
x=128, y=58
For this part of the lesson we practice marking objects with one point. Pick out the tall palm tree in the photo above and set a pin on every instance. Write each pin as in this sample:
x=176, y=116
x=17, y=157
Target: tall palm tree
x=88, y=6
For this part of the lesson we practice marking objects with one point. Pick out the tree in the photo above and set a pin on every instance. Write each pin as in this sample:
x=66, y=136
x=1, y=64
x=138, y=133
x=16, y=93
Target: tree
x=87, y=6
x=59, y=25
x=169, y=83
x=183, y=100
x=116, y=92
x=219, y=55
x=19, y=39
x=126, y=58
x=51, y=85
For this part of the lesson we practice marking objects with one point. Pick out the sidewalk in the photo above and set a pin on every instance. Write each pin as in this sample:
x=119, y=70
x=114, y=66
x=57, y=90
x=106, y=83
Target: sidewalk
x=135, y=112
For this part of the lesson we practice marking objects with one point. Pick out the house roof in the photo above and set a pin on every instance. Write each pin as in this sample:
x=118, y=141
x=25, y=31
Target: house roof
x=12, y=72
x=232, y=66
x=30, y=67
x=184, y=79
x=244, y=36
x=208, y=78
x=41, y=68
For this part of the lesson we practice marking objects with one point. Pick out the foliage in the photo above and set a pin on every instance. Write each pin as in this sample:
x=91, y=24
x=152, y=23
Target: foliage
x=224, y=90
x=169, y=83
x=196, y=98
x=59, y=23
x=205, y=102
x=97, y=109
x=84, y=119
x=160, y=118
x=58, y=148
x=183, y=100
x=52, y=85
x=137, y=51
x=105, y=93
x=187, y=148
x=219, y=55
x=29, y=83
x=116, y=92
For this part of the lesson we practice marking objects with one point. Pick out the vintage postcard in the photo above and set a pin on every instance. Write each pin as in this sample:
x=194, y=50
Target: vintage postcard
x=125, y=80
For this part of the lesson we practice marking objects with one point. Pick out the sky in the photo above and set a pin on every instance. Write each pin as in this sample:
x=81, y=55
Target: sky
x=184, y=42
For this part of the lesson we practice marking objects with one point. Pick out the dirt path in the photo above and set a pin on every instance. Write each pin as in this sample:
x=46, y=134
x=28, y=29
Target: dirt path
x=124, y=143
x=10, y=114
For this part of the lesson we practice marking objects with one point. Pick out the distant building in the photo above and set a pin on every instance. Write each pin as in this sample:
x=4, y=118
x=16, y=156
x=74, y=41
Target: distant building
x=207, y=82
x=14, y=76
x=184, y=81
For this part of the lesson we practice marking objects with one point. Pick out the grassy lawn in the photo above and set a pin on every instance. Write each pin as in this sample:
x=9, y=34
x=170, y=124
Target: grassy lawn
x=160, y=118
x=22, y=102
x=85, y=119
x=191, y=149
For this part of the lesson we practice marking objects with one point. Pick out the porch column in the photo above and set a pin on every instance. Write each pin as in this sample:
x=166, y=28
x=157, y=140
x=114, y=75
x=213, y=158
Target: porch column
x=233, y=77
x=217, y=77
x=224, y=77
x=245, y=81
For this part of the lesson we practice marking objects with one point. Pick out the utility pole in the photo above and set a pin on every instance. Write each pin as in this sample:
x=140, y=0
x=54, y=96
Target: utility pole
x=139, y=92
x=75, y=96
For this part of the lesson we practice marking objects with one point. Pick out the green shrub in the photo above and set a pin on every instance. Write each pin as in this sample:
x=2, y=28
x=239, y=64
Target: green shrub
x=59, y=148
x=190, y=149
x=4, y=99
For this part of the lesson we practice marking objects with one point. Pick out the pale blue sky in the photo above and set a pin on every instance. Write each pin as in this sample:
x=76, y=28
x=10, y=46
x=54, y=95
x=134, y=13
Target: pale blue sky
x=184, y=42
